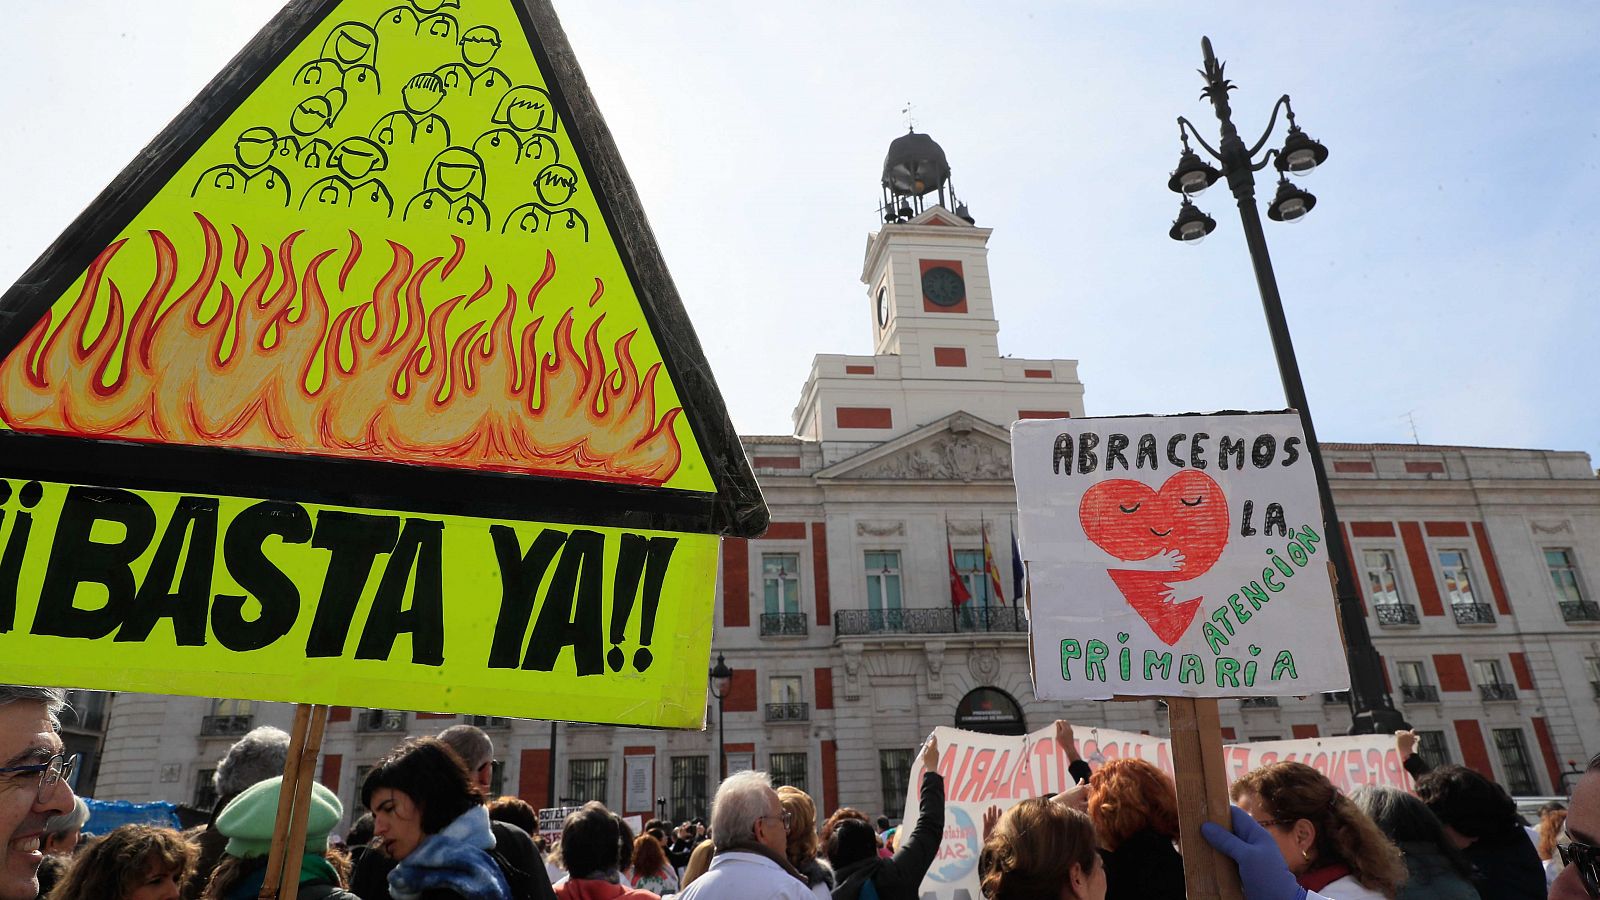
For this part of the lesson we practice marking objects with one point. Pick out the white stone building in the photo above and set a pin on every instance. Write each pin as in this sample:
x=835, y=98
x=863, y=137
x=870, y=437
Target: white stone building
x=847, y=651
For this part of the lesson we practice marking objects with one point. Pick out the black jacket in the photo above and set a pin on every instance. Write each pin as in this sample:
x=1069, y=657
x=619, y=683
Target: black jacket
x=1508, y=866
x=900, y=878
x=1144, y=867
x=520, y=861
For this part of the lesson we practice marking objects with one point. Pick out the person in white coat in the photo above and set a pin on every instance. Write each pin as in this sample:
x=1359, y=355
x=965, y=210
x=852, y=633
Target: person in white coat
x=749, y=832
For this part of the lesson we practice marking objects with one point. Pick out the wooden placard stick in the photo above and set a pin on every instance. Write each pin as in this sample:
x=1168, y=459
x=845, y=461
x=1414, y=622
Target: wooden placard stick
x=294, y=851
x=291, y=775
x=1202, y=796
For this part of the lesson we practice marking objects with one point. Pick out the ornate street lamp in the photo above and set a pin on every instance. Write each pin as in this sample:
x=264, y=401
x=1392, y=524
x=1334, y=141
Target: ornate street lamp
x=721, y=680
x=1372, y=710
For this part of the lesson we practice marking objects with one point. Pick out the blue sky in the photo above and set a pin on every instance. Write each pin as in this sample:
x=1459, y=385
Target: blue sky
x=1449, y=271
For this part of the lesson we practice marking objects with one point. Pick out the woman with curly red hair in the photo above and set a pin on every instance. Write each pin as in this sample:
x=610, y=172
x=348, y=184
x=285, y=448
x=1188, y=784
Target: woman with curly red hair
x=1134, y=807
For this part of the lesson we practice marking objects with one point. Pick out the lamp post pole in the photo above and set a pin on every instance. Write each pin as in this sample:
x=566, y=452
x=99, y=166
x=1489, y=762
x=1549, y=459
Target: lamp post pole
x=1372, y=709
x=721, y=678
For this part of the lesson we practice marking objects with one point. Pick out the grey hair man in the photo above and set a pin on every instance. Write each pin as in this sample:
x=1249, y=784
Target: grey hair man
x=254, y=758
x=749, y=829
x=475, y=749
x=61, y=832
x=32, y=786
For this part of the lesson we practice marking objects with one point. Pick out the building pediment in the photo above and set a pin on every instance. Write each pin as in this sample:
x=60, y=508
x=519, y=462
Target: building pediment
x=959, y=447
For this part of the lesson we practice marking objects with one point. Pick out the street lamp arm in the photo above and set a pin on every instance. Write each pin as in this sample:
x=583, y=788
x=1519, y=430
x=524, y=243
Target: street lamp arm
x=1186, y=124
x=1283, y=103
x=1266, y=158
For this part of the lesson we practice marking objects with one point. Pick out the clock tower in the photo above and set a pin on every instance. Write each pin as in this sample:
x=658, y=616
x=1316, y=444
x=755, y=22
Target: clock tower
x=935, y=334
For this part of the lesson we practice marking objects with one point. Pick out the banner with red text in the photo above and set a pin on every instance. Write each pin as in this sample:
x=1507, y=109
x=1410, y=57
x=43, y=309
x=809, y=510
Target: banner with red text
x=983, y=770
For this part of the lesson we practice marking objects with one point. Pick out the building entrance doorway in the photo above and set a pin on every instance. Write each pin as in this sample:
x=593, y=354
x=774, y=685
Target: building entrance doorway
x=991, y=711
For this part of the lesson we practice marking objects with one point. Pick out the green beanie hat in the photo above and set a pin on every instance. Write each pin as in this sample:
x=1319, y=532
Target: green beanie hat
x=249, y=820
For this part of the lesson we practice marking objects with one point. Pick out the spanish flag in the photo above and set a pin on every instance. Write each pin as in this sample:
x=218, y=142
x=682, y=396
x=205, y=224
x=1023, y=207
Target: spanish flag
x=990, y=567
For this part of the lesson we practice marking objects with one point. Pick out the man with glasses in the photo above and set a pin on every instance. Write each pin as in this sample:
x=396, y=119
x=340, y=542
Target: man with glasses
x=1581, y=877
x=33, y=782
x=749, y=829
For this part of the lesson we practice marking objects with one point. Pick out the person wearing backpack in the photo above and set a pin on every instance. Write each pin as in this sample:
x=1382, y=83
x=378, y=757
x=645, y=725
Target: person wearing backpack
x=852, y=846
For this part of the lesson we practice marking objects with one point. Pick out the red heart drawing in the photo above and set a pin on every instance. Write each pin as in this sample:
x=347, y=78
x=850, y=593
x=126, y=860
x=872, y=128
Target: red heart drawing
x=1128, y=520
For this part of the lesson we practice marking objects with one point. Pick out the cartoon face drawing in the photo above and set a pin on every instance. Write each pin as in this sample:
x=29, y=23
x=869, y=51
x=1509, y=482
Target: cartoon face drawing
x=433, y=6
x=422, y=93
x=556, y=185
x=526, y=108
x=479, y=45
x=1180, y=529
x=311, y=115
x=1131, y=522
x=255, y=146
x=456, y=171
x=358, y=157
x=350, y=43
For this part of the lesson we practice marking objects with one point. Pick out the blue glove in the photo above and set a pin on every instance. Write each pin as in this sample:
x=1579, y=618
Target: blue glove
x=1264, y=874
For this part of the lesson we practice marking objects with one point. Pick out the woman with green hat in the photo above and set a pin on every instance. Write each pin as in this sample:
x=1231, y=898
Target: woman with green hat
x=248, y=822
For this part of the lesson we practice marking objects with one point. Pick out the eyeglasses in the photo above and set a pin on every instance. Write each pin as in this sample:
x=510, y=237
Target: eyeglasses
x=56, y=769
x=786, y=817
x=1266, y=822
x=1586, y=859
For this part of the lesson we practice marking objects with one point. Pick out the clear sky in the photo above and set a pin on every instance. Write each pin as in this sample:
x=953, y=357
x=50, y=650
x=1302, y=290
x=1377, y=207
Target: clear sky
x=1450, y=271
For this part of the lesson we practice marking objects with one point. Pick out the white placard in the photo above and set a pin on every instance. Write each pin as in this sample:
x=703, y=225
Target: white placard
x=1175, y=556
x=740, y=762
x=638, y=783
x=983, y=770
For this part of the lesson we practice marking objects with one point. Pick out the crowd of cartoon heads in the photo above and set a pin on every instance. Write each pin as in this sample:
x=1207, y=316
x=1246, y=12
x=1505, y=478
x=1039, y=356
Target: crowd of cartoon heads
x=410, y=106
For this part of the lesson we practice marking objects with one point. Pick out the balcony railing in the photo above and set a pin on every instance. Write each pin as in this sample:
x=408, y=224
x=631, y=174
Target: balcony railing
x=1473, y=614
x=224, y=726
x=948, y=620
x=1259, y=703
x=1580, y=611
x=1336, y=698
x=1396, y=614
x=382, y=720
x=1419, y=693
x=1497, y=691
x=788, y=712
x=489, y=722
x=783, y=625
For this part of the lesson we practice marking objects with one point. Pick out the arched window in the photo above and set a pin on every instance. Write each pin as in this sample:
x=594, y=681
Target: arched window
x=991, y=711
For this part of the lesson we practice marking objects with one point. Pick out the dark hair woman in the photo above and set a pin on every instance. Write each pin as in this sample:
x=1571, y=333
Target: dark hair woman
x=1329, y=844
x=1481, y=818
x=591, y=845
x=429, y=816
x=1436, y=869
x=134, y=862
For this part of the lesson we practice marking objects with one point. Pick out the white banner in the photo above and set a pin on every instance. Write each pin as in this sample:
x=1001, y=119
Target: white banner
x=551, y=818
x=1174, y=556
x=982, y=770
x=638, y=783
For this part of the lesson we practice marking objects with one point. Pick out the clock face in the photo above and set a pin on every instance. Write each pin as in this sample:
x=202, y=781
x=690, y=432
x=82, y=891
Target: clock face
x=883, y=307
x=943, y=286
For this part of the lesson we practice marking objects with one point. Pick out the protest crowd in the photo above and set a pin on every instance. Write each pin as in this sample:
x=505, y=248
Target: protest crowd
x=431, y=832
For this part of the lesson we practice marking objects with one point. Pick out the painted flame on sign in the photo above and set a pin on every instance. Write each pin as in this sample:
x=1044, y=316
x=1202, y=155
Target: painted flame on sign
x=389, y=384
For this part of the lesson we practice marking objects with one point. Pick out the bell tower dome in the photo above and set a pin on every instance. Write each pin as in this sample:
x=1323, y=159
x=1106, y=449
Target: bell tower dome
x=936, y=346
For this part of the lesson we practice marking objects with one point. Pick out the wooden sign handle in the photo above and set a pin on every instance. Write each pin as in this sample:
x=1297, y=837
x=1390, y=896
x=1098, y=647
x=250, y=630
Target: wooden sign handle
x=291, y=776
x=294, y=851
x=1202, y=796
